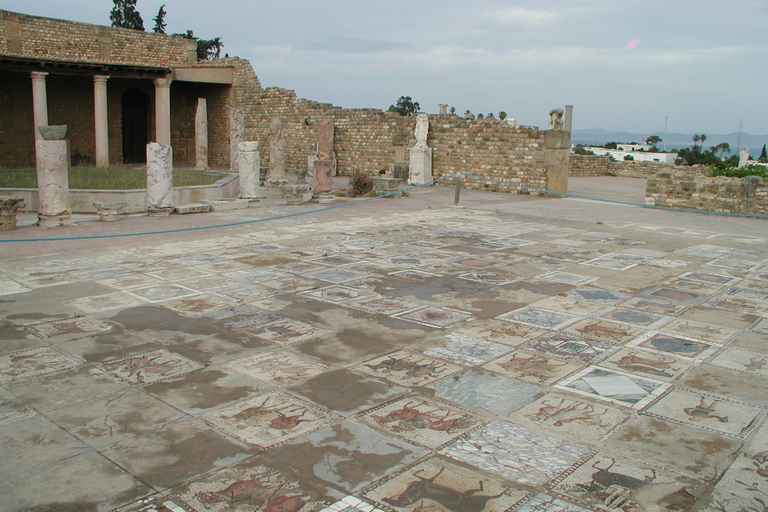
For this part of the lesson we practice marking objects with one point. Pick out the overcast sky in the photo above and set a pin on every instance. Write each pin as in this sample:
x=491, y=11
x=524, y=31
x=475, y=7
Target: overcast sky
x=623, y=65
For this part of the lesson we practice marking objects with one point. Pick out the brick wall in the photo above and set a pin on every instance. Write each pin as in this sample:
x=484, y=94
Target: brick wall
x=593, y=165
x=693, y=188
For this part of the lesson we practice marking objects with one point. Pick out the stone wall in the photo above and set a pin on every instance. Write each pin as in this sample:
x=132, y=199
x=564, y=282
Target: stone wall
x=592, y=165
x=589, y=165
x=47, y=38
x=693, y=188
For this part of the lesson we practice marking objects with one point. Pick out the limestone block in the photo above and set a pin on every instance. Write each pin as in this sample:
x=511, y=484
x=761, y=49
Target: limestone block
x=323, y=177
x=8, y=207
x=420, y=170
x=222, y=205
x=201, y=134
x=192, y=208
x=236, y=136
x=249, y=170
x=52, y=157
x=159, y=175
x=276, y=149
x=109, y=212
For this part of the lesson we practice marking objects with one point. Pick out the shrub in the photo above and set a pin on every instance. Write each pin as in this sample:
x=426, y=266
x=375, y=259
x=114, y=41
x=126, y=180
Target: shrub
x=360, y=184
x=629, y=157
x=747, y=170
x=580, y=150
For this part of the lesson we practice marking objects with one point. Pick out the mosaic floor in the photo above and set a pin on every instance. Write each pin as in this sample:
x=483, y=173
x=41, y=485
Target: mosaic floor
x=450, y=360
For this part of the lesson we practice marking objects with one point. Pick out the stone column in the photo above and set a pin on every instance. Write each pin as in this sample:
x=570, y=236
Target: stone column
x=201, y=134
x=250, y=167
x=568, y=122
x=443, y=109
x=100, y=120
x=420, y=171
x=163, y=110
x=323, y=167
x=276, y=149
x=39, y=101
x=159, y=179
x=236, y=136
x=743, y=157
x=557, y=152
x=52, y=159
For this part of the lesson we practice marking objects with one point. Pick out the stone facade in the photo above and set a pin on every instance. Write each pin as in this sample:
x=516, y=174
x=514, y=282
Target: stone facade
x=694, y=189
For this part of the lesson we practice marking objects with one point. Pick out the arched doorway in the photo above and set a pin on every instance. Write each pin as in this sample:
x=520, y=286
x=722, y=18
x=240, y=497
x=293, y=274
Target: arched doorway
x=134, y=115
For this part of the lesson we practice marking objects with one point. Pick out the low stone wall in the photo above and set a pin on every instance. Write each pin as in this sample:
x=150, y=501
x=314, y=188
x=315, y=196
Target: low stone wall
x=593, y=165
x=693, y=188
x=81, y=201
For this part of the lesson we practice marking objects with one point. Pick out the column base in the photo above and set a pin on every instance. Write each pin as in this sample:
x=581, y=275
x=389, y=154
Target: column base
x=54, y=221
x=159, y=211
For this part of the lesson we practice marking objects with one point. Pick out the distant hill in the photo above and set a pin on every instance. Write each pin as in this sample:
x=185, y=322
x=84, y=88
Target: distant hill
x=674, y=140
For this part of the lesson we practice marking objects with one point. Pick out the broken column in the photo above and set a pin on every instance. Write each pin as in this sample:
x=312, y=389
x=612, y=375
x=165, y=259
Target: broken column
x=236, y=136
x=276, y=149
x=159, y=179
x=323, y=166
x=52, y=161
x=201, y=134
x=557, y=152
x=250, y=162
x=420, y=171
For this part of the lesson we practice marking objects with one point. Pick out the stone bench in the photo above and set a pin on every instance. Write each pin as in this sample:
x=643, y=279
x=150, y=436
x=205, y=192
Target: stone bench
x=8, y=207
x=109, y=212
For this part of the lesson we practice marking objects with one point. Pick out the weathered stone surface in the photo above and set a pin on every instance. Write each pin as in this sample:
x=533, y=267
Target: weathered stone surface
x=201, y=134
x=159, y=175
x=293, y=193
x=325, y=140
x=222, y=205
x=420, y=170
x=52, y=157
x=109, y=212
x=236, y=136
x=192, y=208
x=8, y=207
x=249, y=170
x=277, y=148
x=323, y=177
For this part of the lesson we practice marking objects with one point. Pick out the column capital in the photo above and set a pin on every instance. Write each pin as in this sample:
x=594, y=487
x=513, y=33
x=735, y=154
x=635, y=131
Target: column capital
x=163, y=82
x=38, y=76
x=100, y=79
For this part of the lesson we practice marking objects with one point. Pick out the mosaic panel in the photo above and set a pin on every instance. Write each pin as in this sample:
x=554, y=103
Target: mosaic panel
x=417, y=275
x=748, y=293
x=610, y=484
x=683, y=296
x=34, y=362
x=421, y=420
x=674, y=345
x=631, y=316
x=244, y=293
x=614, y=386
x=710, y=412
x=99, y=273
x=279, y=367
x=268, y=419
x=539, y=317
x=408, y=369
x=100, y=303
x=335, y=275
x=546, y=503
x=151, y=366
x=710, y=333
x=532, y=367
x=12, y=410
x=706, y=251
x=516, y=453
x=710, y=278
x=508, y=333
x=744, y=487
x=335, y=294
x=700, y=287
x=246, y=489
x=77, y=325
x=180, y=274
x=130, y=281
x=198, y=305
x=648, y=364
x=478, y=389
x=546, y=263
x=573, y=348
x=731, y=303
x=655, y=306
x=435, y=317
x=606, y=331
x=567, y=305
x=288, y=331
x=567, y=278
x=438, y=486
x=608, y=261
x=564, y=416
x=35, y=280
x=735, y=264
x=381, y=305
x=292, y=284
x=351, y=504
x=162, y=293
x=760, y=326
x=255, y=275
x=468, y=351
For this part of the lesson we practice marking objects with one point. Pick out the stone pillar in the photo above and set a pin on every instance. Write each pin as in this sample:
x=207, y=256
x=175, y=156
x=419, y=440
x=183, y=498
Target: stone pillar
x=163, y=110
x=39, y=101
x=201, y=134
x=557, y=152
x=52, y=159
x=743, y=157
x=276, y=149
x=236, y=136
x=420, y=171
x=568, y=124
x=249, y=165
x=443, y=109
x=100, y=120
x=159, y=179
x=322, y=168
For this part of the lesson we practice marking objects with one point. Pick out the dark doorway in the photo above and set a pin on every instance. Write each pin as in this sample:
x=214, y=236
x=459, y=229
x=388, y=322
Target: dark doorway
x=134, y=105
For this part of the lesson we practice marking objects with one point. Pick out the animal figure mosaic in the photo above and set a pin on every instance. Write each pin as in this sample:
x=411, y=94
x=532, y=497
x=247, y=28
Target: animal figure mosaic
x=254, y=491
x=613, y=489
x=704, y=411
x=604, y=330
x=633, y=362
x=281, y=421
x=450, y=498
x=571, y=412
x=536, y=366
x=410, y=368
x=409, y=417
x=756, y=363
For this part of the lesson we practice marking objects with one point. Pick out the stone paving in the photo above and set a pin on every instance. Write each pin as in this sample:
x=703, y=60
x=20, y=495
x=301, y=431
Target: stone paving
x=443, y=359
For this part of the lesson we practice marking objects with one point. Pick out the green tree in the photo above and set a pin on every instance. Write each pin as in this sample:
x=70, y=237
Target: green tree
x=721, y=148
x=502, y=115
x=206, y=48
x=125, y=15
x=405, y=106
x=763, y=155
x=653, y=140
x=160, y=21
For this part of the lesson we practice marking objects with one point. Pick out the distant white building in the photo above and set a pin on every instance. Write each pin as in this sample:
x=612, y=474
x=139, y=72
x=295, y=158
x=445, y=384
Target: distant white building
x=637, y=155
